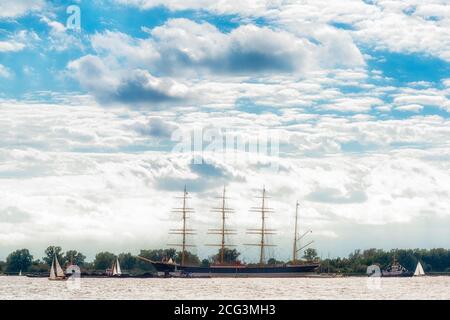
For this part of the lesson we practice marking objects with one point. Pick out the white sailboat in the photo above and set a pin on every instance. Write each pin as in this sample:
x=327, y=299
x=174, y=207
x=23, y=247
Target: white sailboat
x=116, y=270
x=20, y=273
x=419, y=270
x=56, y=272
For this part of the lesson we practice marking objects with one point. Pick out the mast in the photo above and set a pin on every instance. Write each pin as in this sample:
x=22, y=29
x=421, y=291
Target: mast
x=184, y=231
x=294, y=251
x=298, y=237
x=263, y=231
x=223, y=231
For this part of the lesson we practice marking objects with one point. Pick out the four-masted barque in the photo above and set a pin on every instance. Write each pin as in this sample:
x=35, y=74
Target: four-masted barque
x=236, y=269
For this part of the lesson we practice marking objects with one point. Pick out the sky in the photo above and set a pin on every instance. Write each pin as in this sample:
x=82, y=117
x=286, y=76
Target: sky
x=108, y=108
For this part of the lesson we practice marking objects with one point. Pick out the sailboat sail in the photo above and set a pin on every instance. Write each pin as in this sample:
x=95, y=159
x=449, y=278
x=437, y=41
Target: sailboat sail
x=52, y=270
x=56, y=272
x=59, y=270
x=419, y=270
x=116, y=269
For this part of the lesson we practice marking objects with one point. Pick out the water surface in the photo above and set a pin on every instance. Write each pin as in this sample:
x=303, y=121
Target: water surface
x=297, y=288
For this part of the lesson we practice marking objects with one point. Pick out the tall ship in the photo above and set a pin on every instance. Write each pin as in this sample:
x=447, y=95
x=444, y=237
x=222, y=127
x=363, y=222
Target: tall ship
x=237, y=269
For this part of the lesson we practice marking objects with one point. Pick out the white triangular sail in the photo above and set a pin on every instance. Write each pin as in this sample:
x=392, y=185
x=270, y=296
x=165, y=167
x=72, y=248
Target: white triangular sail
x=20, y=273
x=170, y=261
x=59, y=270
x=56, y=272
x=116, y=269
x=52, y=270
x=419, y=270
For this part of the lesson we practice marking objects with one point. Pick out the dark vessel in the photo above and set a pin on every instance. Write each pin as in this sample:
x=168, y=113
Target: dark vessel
x=243, y=270
x=222, y=269
x=396, y=270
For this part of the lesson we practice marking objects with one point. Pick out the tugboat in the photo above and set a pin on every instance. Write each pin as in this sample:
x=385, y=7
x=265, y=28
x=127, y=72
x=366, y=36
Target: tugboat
x=396, y=270
x=222, y=269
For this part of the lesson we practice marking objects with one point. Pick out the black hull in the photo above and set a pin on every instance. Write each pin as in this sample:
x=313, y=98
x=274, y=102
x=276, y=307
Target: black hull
x=237, y=271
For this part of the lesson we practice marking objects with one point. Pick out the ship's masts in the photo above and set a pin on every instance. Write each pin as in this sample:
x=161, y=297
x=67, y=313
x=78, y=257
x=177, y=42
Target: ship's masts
x=294, y=252
x=184, y=231
x=183, y=253
x=223, y=231
x=262, y=231
x=261, y=255
x=222, y=252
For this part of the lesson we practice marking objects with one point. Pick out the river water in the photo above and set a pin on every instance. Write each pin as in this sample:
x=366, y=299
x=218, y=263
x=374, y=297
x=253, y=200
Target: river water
x=298, y=288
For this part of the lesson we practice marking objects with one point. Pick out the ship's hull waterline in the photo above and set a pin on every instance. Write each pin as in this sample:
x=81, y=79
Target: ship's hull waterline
x=288, y=271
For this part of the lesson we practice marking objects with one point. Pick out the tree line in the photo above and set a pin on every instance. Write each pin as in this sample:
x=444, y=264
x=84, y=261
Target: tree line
x=23, y=260
x=433, y=260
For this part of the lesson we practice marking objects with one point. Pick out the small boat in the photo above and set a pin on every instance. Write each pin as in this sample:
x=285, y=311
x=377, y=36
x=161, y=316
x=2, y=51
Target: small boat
x=115, y=271
x=419, y=270
x=20, y=273
x=36, y=275
x=56, y=272
x=396, y=270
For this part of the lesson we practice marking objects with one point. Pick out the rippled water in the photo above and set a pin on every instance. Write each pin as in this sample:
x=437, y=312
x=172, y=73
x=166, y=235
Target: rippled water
x=298, y=288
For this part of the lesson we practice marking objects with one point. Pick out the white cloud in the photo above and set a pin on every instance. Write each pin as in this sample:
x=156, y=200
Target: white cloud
x=209, y=65
x=134, y=87
x=184, y=44
x=248, y=48
x=119, y=45
x=4, y=72
x=18, y=8
x=349, y=104
x=59, y=38
x=220, y=7
x=11, y=46
x=18, y=41
x=399, y=26
x=410, y=108
x=156, y=127
x=425, y=97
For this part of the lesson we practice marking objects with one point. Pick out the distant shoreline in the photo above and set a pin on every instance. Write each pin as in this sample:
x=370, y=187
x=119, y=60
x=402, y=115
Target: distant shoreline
x=435, y=261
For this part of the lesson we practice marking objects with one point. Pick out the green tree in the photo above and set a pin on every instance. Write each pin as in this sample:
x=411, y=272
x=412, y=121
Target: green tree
x=229, y=255
x=19, y=260
x=127, y=261
x=158, y=254
x=190, y=259
x=205, y=263
x=75, y=257
x=273, y=261
x=50, y=252
x=39, y=266
x=310, y=254
x=104, y=260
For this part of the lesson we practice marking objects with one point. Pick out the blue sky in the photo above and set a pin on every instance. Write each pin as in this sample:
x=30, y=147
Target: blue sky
x=356, y=93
